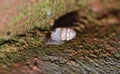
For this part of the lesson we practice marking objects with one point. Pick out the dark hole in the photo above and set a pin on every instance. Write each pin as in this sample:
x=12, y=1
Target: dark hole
x=67, y=20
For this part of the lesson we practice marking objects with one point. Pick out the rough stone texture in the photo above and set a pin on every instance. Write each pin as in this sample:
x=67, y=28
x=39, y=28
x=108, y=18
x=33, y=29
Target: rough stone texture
x=98, y=50
x=17, y=17
x=9, y=10
x=59, y=65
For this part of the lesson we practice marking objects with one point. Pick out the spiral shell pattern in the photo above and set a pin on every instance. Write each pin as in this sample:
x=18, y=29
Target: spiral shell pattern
x=63, y=34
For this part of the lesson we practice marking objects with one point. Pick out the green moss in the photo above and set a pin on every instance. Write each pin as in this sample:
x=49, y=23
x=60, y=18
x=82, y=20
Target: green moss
x=38, y=15
x=31, y=40
x=83, y=3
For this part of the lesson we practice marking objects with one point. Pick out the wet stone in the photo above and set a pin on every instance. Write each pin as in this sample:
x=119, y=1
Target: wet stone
x=52, y=69
x=96, y=65
x=55, y=59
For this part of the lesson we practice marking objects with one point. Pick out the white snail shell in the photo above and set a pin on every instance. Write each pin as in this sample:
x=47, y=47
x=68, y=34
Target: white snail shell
x=62, y=34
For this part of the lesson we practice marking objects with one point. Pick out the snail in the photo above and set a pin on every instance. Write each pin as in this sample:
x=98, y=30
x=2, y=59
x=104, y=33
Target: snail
x=61, y=34
x=65, y=28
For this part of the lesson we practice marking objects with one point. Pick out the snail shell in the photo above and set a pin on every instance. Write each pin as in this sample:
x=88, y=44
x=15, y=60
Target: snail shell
x=62, y=34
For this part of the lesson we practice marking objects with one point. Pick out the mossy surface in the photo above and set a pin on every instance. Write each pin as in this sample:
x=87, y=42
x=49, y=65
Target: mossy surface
x=97, y=37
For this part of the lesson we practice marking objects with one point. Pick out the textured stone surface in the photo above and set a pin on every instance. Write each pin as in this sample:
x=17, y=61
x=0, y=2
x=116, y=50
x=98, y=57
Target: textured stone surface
x=95, y=50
